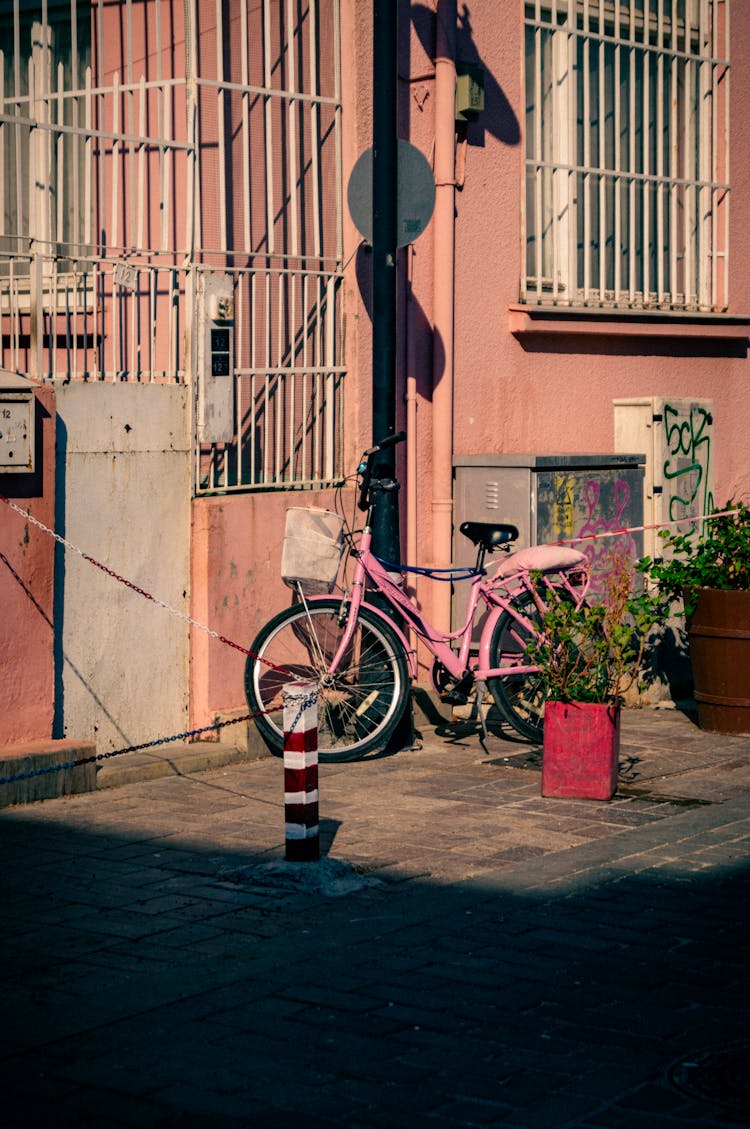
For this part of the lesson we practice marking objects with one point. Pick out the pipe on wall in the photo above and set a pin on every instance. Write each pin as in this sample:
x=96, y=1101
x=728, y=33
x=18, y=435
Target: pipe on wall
x=443, y=303
x=411, y=411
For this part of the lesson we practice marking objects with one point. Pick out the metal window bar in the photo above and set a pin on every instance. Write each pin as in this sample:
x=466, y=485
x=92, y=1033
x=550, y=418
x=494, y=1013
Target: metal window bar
x=647, y=174
x=602, y=216
x=315, y=135
x=645, y=60
x=631, y=132
x=245, y=126
x=288, y=394
x=268, y=108
x=722, y=171
x=661, y=187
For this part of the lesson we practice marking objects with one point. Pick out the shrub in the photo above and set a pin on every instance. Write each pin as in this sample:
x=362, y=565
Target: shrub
x=595, y=652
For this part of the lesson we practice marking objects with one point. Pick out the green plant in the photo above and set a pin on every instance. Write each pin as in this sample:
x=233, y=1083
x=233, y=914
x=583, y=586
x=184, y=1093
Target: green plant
x=719, y=558
x=595, y=652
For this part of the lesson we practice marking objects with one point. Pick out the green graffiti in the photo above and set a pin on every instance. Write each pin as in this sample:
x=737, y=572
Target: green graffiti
x=688, y=460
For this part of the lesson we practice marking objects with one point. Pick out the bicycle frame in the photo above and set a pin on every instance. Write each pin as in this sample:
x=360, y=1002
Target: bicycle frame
x=497, y=595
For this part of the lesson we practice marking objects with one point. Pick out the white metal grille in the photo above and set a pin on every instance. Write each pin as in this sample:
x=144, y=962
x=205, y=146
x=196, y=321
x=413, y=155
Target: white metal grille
x=627, y=161
x=143, y=143
x=267, y=115
x=288, y=384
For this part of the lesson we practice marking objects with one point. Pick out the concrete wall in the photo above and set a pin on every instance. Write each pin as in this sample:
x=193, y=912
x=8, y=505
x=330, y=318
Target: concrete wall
x=26, y=590
x=123, y=497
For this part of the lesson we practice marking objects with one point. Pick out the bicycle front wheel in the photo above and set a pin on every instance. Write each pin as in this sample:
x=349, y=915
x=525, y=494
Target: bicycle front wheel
x=520, y=698
x=359, y=706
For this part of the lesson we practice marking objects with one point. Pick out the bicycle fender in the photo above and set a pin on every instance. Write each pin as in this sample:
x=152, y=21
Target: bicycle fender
x=411, y=656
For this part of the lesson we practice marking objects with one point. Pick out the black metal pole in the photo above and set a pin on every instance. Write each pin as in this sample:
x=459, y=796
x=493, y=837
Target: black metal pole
x=385, y=525
x=384, y=488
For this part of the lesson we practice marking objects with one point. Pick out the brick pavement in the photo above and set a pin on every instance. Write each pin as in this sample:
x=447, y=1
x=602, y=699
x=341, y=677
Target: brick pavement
x=466, y=953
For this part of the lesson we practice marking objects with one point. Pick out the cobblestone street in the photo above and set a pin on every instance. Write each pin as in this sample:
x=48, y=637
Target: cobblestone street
x=465, y=953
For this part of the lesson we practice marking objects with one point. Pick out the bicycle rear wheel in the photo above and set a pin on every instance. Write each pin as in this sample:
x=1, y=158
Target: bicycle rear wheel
x=359, y=706
x=520, y=698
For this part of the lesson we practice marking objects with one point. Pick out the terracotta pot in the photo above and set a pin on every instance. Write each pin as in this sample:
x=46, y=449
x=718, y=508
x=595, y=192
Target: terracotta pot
x=719, y=636
x=581, y=750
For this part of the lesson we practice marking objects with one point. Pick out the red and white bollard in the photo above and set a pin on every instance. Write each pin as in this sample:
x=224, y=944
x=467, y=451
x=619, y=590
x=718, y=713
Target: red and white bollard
x=301, y=771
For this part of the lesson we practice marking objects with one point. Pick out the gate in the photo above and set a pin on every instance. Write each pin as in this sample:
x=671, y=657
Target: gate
x=144, y=146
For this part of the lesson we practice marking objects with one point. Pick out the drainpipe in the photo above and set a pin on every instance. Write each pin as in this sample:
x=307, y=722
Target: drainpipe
x=385, y=514
x=444, y=271
x=412, y=454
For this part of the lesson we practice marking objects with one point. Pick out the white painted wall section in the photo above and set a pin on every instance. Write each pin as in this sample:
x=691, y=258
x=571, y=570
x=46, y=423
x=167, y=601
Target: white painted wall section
x=123, y=489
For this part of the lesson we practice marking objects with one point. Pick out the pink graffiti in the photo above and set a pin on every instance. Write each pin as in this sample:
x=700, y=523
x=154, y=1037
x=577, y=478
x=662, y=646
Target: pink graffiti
x=601, y=554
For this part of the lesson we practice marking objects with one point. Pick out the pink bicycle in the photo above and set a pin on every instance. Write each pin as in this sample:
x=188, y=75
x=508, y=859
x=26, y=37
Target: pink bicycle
x=361, y=659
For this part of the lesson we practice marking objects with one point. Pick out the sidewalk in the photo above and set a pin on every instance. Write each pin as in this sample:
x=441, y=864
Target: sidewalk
x=465, y=953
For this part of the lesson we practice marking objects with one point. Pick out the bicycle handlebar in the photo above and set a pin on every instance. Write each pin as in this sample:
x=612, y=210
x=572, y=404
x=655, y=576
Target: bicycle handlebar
x=383, y=444
x=364, y=470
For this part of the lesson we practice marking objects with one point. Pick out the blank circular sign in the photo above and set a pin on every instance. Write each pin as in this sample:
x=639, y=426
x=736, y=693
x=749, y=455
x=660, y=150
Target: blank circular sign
x=415, y=199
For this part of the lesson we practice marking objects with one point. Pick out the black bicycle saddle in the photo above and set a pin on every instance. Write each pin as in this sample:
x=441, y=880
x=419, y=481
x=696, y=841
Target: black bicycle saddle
x=488, y=535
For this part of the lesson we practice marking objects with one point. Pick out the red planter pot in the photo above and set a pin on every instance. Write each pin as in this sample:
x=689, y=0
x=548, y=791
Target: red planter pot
x=581, y=750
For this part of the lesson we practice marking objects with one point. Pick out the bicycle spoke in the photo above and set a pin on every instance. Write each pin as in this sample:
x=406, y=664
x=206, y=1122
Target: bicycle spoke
x=357, y=703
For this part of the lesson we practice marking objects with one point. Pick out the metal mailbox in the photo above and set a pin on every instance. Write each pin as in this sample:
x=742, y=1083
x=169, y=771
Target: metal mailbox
x=17, y=406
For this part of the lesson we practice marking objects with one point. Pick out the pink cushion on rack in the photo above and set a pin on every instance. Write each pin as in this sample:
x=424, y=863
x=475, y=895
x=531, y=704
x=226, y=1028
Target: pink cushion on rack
x=544, y=558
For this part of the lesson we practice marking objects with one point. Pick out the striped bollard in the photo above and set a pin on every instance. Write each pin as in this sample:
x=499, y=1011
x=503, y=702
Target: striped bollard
x=301, y=771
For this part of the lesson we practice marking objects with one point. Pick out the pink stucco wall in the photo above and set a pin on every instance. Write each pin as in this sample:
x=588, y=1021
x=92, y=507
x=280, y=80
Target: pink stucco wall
x=26, y=591
x=555, y=395
x=236, y=585
x=512, y=393
x=515, y=393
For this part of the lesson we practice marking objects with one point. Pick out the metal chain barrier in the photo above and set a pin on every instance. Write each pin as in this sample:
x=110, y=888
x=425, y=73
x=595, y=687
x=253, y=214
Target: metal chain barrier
x=641, y=528
x=305, y=704
x=130, y=749
x=173, y=611
x=140, y=591
x=231, y=643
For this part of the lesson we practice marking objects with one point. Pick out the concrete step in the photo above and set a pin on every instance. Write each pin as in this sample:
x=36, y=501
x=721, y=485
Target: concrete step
x=239, y=742
x=167, y=760
x=33, y=758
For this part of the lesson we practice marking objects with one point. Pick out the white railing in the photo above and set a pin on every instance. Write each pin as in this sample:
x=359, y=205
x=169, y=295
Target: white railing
x=98, y=319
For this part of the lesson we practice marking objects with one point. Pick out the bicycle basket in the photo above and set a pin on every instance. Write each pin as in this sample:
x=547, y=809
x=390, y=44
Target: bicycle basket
x=313, y=544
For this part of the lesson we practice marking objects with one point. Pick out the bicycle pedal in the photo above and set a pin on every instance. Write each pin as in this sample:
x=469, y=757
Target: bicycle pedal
x=454, y=698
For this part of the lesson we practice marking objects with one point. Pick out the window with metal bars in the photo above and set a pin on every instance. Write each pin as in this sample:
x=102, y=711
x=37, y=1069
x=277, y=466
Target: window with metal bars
x=627, y=115
x=42, y=76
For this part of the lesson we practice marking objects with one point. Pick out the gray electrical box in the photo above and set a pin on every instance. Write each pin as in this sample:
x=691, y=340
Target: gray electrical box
x=549, y=498
x=215, y=349
x=17, y=405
